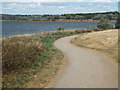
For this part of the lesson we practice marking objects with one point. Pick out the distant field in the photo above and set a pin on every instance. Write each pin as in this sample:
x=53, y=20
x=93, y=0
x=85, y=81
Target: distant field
x=105, y=41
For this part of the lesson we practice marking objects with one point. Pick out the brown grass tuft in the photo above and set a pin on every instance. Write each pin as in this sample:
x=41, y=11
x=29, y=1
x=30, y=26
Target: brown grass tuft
x=19, y=52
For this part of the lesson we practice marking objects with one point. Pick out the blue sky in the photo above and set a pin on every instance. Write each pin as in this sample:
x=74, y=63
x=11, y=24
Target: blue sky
x=57, y=6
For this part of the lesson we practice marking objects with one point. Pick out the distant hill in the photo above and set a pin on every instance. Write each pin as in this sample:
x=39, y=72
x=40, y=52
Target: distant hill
x=77, y=16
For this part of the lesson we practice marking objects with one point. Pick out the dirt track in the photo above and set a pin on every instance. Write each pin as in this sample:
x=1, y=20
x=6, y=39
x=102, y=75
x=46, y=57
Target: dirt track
x=85, y=68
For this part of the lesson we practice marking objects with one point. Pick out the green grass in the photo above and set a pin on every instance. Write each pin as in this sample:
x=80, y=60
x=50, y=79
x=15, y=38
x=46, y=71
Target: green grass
x=25, y=56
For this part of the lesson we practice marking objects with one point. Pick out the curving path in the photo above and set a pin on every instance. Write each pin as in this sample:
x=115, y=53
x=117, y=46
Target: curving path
x=85, y=68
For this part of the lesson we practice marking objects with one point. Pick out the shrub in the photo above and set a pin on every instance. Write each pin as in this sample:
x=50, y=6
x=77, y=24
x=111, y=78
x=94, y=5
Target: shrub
x=60, y=28
x=19, y=53
x=117, y=25
x=104, y=24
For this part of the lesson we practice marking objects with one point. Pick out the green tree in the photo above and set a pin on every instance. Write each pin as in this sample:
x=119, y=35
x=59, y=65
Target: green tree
x=104, y=24
x=78, y=17
x=99, y=16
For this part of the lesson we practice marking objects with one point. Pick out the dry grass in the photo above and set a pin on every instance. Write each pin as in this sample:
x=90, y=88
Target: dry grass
x=19, y=53
x=26, y=56
x=42, y=80
x=105, y=41
x=30, y=56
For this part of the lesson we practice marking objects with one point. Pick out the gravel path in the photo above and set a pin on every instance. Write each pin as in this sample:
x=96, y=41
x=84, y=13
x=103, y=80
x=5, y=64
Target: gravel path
x=85, y=68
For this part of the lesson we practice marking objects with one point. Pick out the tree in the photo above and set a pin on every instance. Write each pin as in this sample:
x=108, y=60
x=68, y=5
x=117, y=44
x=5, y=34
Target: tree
x=117, y=25
x=104, y=24
x=78, y=17
x=99, y=16
x=62, y=17
x=110, y=16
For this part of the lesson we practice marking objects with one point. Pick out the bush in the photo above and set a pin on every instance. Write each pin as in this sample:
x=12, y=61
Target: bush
x=19, y=53
x=117, y=25
x=60, y=28
x=104, y=24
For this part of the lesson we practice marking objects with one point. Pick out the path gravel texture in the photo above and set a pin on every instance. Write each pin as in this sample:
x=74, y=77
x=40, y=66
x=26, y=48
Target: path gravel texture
x=85, y=68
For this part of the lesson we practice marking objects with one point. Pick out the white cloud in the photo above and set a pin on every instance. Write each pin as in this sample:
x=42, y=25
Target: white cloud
x=56, y=8
x=35, y=5
x=61, y=7
x=43, y=0
x=29, y=0
x=11, y=6
x=60, y=0
x=101, y=1
x=80, y=8
x=70, y=0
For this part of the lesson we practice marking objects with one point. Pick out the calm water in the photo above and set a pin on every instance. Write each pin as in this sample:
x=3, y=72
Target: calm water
x=27, y=27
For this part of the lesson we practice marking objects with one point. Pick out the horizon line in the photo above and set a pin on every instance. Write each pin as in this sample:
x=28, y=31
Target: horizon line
x=64, y=13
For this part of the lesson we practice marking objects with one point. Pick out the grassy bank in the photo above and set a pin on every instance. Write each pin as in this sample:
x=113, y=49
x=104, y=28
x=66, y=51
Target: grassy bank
x=105, y=41
x=27, y=57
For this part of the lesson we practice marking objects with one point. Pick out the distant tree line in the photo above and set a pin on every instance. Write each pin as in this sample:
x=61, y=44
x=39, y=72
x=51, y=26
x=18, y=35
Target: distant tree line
x=82, y=16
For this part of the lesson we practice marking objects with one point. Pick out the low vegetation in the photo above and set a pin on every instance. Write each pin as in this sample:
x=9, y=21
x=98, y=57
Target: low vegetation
x=60, y=28
x=21, y=53
x=105, y=41
x=104, y=24
x=26, y=55
x=117, y=25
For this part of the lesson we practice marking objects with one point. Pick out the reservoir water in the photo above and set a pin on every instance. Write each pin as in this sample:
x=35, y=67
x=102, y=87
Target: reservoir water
x=27, y=27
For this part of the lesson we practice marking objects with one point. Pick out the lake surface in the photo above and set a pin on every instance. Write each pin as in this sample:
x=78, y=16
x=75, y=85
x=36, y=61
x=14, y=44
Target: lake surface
x=27, y=27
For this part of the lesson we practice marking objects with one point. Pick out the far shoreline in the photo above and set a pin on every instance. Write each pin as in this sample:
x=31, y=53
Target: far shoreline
x=62, y=20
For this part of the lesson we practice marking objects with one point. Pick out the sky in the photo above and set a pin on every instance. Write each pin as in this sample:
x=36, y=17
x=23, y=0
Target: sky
x=31, y=7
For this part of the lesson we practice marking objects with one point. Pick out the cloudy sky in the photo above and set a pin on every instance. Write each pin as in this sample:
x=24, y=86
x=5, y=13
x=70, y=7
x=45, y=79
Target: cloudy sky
x=57, y=6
